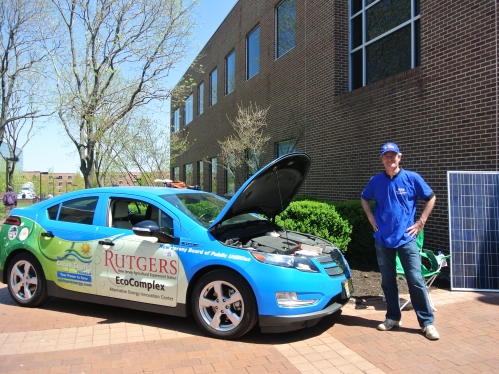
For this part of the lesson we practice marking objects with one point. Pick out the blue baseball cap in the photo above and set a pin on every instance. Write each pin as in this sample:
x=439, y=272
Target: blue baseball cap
x=389, y=147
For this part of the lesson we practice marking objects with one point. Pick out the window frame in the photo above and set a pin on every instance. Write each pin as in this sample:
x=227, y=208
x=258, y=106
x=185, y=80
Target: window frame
x=189, y=109
x=200, y=174
x=213, y=175
x=230, y=72
x=213, y=87
x=278, y=52
x=248, y=53
x=287, y=143
x=200, y=109
x=413, y=22
x=176, y=173
x=253, y=162
x=176, y=120
x=230, y=178
x=189, y=174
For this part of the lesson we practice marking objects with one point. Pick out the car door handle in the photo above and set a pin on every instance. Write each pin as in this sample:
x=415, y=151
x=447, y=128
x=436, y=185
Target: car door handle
x=103, y=242
x=47, y=234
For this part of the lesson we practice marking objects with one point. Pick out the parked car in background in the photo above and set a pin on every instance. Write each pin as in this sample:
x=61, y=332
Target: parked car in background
x=180, y=252
x=27, y=191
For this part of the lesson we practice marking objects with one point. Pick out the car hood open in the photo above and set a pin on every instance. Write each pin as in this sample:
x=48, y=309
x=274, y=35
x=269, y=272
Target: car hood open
x=270, y=190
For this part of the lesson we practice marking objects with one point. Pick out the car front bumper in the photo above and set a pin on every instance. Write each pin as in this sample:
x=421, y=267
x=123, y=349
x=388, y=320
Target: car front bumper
x=275, y=324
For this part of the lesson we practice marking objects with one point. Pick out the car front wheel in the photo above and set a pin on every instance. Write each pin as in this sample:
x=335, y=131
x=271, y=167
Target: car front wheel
x=224, y=305
x=26, y=282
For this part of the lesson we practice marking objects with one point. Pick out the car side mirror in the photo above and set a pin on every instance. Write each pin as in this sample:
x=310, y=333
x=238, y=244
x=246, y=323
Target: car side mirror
x=151, y=228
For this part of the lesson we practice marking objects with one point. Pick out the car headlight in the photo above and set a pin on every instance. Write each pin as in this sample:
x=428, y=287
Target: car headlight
x=301, y=263
x=290, y=300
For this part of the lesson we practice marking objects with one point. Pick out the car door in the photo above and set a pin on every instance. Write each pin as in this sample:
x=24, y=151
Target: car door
x=67, y=244
x=132, y=267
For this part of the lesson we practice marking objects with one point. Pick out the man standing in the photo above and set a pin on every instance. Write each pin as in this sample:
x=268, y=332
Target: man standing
x=9, y=201
x=396, y=192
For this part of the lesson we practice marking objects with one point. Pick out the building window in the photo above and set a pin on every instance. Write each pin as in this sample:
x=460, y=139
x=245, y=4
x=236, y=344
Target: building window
x=70, y=177
x=230, y=73
x=176, y=120
x=189, y=176
x=200, y=175
x=253, y=53
x=200, y=98
x=253, y=162
x=285, y=27
x=213, y=87
x=176, y=173
x=384, y=39
x=189, y=109
x=285, y=147
x=213, y=175
x=230, y=180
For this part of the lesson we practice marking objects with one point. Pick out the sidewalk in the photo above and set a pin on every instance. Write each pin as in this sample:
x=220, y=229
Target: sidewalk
x=72, y=337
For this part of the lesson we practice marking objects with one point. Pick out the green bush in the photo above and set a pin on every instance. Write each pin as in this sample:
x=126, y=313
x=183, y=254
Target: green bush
x=317, y=218
x=361, y=248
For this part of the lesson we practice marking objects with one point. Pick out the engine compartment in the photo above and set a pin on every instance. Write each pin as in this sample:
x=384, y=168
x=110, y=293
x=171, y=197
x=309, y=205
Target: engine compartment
x=267, y=237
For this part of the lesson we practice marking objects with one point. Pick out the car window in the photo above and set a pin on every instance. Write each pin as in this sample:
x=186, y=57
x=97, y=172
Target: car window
x=163, y=220
x=204, y=208
x=80, y=210
x=52, y=212
x=126, y=213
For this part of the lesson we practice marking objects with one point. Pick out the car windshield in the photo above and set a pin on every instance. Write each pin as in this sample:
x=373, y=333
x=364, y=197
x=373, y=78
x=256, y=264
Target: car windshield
x=204, y=208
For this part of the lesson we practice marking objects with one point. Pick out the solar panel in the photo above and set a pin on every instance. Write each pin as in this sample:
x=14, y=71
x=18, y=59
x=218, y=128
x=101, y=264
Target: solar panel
x=474, y=230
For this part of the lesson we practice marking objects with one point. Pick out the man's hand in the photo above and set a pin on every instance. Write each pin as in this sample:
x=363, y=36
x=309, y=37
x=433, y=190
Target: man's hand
x=415, y=229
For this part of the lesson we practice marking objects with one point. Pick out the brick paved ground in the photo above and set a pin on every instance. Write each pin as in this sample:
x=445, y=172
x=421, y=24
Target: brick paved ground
x=72, y=337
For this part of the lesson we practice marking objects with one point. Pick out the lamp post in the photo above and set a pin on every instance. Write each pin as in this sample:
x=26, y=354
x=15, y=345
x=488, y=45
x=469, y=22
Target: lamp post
x=42, y=173
x=7, y=170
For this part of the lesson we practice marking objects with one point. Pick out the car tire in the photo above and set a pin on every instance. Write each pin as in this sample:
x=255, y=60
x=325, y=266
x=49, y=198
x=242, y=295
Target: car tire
x=230, y=316
x=26, y=281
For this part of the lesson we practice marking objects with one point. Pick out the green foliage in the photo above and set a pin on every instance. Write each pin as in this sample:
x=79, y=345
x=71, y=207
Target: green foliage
x=202, y=207
x=305, y=197
x=316, y=218
x=361, y=247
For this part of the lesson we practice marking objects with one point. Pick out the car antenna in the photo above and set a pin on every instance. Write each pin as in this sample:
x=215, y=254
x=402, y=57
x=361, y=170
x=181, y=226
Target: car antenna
x=280, y=199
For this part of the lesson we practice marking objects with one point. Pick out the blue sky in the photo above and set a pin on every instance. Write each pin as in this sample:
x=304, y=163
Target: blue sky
x=51, y=150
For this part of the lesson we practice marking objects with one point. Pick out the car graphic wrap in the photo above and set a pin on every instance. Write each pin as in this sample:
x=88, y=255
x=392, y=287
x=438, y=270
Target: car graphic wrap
x=136, y=269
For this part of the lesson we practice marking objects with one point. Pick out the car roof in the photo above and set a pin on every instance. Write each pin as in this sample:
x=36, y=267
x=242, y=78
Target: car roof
x=157, y=191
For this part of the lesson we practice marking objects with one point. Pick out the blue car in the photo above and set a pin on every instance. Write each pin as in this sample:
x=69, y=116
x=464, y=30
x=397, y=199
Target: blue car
x=180, y=252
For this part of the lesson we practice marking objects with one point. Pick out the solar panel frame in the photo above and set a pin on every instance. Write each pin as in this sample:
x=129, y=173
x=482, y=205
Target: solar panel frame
x=473, y=202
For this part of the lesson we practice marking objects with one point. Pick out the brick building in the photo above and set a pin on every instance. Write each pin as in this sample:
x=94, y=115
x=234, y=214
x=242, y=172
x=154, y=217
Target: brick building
x=58, y=183
x=344, y=77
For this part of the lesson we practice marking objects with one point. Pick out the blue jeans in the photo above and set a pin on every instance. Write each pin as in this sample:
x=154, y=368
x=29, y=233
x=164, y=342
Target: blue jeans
x=411, y=262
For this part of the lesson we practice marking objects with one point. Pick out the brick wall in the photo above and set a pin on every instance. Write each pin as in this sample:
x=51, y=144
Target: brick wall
x=442, y=114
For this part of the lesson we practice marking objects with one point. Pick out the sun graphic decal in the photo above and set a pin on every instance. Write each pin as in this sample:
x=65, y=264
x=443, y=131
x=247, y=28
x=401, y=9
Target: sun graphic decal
x=85, y=248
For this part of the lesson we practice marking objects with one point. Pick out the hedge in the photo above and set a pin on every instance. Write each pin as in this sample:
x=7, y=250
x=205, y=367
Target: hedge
x=361, y=248
x=317, y=218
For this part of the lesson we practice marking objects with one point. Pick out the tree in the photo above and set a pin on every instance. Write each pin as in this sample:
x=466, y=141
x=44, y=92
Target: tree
x=22, y=68
x=115, y=58
x=141, y=145
x=13, y=130
x=241, y=153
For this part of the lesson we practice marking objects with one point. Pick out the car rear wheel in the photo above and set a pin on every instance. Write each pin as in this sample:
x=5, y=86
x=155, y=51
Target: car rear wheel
x=224, y=305
x=26, y=282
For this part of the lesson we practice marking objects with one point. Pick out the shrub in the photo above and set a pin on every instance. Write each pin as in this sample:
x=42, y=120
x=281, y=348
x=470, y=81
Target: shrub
x=317, y=218
x=361, y=248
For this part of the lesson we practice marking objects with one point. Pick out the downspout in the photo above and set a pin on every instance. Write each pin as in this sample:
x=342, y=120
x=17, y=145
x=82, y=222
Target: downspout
x=497, y=83
x=305, y=102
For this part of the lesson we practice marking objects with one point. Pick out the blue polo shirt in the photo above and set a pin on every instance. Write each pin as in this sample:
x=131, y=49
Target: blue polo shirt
x=396, y=200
